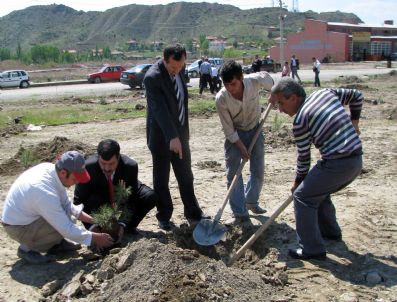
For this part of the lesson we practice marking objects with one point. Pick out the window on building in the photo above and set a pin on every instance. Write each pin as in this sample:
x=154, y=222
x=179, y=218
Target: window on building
x=379, y=48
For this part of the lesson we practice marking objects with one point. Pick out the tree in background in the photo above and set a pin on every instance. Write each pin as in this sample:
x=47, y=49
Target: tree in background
x=44, y=53
x=18, y=51
x=107, y=54
x=5, y=54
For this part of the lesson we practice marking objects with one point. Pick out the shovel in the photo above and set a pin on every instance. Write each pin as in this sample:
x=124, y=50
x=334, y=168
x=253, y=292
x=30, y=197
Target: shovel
x=209, y=232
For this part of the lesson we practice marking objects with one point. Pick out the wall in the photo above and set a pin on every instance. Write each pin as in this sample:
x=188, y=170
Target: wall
x=314, y=41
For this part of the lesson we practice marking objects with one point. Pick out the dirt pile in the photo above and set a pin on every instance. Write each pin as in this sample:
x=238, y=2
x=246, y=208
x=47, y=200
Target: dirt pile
x=172, y=267
x=27, y=157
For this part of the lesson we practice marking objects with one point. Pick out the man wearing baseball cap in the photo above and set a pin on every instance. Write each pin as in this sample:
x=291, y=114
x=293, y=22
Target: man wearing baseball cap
x=38, y=213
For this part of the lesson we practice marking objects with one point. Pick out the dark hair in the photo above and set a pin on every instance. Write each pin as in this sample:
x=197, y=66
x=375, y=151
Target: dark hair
x=176, y=51
x=287, y=87
x=230, y=70
x=108, y=148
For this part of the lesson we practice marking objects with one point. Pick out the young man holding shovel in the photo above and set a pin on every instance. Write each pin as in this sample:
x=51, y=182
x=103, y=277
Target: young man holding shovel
x=322, y=120
x=239, y=111
x=39, y=215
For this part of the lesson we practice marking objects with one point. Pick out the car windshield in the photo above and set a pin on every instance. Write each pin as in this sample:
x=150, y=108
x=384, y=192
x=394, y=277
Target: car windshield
x=137, y=68
x=103, y=68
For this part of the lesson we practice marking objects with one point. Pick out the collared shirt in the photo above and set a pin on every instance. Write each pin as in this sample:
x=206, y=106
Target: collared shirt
x=38, y=192
x=322, y=120
x=242, y=115
x=205, y=68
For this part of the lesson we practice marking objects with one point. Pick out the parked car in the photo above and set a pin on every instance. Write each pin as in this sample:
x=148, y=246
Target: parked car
x=268, y=65
x=134, y=76
x=393, y=56
x=106, y=74
x=193, y=69
x=14, y=78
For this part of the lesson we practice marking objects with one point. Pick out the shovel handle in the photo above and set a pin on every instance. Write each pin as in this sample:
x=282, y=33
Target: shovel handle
x=242, y=164
x=255, y=236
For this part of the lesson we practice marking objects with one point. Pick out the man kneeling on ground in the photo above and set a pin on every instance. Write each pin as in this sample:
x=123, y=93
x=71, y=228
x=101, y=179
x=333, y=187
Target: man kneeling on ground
x=39, y=215
x=107, y=169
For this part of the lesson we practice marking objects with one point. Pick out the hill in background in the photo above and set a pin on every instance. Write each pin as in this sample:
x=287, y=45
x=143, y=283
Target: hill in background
x=67, y=28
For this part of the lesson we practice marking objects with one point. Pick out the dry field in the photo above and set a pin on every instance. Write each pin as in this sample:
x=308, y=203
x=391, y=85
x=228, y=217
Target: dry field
x=158, y=266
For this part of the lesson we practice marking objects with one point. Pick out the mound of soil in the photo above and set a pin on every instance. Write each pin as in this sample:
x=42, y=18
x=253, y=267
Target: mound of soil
x=27, y=157
x=12, y=130
x=278, y=138
x=172, y=267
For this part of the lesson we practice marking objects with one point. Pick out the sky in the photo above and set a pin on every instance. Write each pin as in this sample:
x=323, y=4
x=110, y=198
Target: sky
x=370, y=11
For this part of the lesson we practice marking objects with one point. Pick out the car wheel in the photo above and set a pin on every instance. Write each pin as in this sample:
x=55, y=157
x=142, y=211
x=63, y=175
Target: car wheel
x=24, y=84
x=142, y=85
x=97, y=80
x=132, y=86
x=194, y=74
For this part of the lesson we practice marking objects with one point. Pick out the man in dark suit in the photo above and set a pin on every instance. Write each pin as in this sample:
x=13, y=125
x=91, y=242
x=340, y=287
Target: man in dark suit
x=168, y=133
x=106, y=170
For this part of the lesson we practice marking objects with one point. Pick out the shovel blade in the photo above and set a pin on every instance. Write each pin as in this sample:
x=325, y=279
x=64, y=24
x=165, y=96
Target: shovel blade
x=208, y=232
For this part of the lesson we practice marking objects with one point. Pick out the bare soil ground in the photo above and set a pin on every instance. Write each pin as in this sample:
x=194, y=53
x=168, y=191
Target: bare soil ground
x=158, y=266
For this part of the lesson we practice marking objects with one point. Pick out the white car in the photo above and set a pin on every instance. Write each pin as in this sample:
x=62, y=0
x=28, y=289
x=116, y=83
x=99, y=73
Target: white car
x=14, y=78
x=193, y=69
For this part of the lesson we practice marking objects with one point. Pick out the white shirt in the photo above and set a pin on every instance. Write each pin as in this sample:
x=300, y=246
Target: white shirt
x=317, y=64
x=38, y=192
x=242, y=115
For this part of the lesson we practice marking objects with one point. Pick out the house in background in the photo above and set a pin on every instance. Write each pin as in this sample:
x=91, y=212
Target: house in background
x=339, y=42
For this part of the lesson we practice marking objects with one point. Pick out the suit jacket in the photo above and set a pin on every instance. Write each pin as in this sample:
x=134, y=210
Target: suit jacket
x=96, y=193
x=162, y=111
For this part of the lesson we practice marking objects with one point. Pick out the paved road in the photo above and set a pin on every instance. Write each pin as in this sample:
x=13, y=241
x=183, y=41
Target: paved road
x=42, y=93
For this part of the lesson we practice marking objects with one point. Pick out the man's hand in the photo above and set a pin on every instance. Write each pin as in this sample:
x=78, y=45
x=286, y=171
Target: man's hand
x=243, y=150
x=355, y=125
x=294, y=187
x=176, y=146
x=102, y=240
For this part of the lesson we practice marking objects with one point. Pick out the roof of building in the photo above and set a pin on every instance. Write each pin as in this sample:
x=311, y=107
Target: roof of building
x=388, y=26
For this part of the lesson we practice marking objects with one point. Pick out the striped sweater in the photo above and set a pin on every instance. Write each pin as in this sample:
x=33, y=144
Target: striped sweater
x=322, y=120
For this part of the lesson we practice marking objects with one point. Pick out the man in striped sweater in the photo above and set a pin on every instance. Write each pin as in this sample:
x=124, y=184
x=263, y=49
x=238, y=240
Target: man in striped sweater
x=320, y=119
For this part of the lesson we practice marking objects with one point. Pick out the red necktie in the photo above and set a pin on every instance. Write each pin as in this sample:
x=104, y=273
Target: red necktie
x=111, y=190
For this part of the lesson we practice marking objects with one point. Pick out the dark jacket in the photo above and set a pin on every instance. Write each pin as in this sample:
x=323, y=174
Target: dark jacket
x=95, y=193
x=162, y=111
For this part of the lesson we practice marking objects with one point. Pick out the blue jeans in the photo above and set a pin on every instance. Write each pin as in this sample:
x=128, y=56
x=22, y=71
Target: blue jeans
x=250, y=194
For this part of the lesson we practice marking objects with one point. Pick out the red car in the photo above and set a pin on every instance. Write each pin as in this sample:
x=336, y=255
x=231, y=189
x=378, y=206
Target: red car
x=106, y=74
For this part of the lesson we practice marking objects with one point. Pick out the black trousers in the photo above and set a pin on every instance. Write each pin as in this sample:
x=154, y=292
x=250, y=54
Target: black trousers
x=204, y=79
x=162, y=162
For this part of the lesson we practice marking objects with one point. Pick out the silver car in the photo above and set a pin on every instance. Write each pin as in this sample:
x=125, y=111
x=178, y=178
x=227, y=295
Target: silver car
x=14, y=78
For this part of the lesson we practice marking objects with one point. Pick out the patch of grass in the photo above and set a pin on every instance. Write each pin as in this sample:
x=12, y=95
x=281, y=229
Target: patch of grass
x=277, y=123
x=71, y=114
x=27, y=159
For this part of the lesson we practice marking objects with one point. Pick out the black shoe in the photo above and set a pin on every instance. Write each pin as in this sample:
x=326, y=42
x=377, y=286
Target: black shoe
x=298, y=254
x=64, y=246
x=165, y=225
x=332, y=237
x=33, y=257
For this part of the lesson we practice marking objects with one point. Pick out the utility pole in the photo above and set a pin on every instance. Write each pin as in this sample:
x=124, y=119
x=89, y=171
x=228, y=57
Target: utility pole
x=281, y=17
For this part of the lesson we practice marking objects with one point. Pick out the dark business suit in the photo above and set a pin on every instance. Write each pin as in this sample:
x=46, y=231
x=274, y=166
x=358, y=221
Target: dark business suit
x=162, y=126
x=95, y=193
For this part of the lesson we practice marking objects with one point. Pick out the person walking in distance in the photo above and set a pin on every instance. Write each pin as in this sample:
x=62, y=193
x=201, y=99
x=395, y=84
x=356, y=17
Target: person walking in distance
x=205, y=76
x=167, y=130
x=316, y=70
x=295, y=68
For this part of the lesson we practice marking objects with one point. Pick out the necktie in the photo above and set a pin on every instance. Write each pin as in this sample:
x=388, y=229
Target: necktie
x=111, y=191
x=181, y=108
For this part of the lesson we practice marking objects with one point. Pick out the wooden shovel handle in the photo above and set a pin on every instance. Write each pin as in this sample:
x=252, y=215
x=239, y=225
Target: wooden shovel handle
x=255, y=236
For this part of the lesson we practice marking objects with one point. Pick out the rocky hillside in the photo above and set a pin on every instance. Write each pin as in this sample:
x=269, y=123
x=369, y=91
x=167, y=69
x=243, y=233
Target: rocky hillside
x=67, y=28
